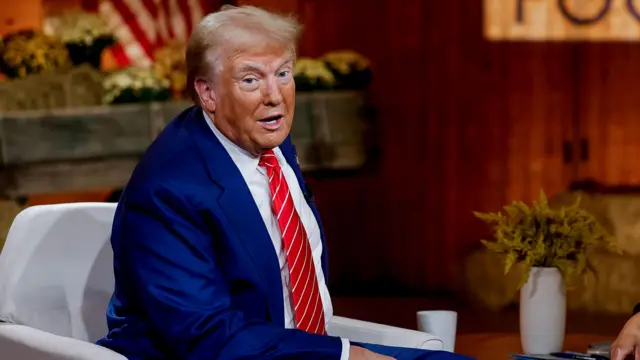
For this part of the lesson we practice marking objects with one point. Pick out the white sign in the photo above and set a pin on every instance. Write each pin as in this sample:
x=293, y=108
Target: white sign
x=562, y=20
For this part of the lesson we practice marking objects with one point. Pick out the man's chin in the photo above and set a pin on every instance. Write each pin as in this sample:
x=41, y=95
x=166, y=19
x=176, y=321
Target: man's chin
x=272, y=139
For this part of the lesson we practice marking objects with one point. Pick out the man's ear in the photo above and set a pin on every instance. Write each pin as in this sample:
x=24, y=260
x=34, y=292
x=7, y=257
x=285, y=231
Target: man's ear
x=206, y=94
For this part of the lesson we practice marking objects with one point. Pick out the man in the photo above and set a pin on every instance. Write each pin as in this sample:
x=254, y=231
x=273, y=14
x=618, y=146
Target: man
x=627, y=345
x=219, y=250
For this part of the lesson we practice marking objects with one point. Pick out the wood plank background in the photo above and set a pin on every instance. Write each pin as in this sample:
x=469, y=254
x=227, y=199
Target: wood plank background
x=463, y=124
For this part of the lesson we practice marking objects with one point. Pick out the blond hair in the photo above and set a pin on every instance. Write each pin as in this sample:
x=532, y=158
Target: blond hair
x=231, y=29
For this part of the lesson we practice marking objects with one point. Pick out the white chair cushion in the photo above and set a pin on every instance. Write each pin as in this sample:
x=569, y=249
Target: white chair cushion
x=56, y=269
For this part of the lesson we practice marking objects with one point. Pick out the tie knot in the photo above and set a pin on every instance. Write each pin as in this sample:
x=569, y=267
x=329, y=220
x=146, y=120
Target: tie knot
x=269, y=160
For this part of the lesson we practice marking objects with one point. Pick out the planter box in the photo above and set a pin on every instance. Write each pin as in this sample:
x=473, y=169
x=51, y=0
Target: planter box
x=43, y=151
x=335, y=123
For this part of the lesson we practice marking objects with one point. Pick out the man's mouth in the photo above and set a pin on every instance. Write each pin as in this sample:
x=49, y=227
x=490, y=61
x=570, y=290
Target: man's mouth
x=271, y=122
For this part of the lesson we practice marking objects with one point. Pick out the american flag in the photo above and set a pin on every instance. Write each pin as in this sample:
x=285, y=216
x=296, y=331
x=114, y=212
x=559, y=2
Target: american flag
x=142, y=26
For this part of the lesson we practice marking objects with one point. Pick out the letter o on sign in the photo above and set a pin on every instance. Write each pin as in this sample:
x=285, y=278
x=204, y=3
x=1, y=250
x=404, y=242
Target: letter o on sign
x=599, y=16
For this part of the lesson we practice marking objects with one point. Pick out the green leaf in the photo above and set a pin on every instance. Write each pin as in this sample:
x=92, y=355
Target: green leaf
x=511, y=260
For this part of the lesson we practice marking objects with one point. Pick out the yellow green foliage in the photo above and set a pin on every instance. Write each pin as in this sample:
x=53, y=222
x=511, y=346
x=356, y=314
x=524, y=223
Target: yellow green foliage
x=540, y=236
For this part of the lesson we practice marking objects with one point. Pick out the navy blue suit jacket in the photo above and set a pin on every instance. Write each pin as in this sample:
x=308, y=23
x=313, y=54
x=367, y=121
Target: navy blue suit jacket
x=196, y=273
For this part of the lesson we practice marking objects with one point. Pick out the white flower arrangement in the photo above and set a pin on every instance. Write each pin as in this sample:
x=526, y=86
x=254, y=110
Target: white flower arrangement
x=135, y=85
x=78, y=27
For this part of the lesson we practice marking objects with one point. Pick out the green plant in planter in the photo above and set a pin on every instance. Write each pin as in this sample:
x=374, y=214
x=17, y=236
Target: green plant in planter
x=540, y=236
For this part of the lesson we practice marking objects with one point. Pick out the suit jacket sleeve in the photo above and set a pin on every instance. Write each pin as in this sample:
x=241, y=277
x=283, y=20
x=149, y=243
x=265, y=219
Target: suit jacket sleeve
x=168, y=253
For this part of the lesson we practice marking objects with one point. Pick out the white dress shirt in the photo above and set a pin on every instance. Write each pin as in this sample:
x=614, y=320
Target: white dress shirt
x=258, y=182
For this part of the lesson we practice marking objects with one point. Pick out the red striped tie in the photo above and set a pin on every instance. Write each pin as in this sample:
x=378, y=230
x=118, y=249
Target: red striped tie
x=306, y=294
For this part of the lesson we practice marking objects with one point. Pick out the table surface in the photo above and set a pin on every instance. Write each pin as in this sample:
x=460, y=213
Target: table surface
x=498, y=346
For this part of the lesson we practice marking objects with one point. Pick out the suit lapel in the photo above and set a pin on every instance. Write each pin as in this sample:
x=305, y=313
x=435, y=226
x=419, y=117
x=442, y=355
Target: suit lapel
x=289, y=153
x=240, y=209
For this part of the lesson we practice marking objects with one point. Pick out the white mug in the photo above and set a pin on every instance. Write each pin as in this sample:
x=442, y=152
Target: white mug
x=441, y=323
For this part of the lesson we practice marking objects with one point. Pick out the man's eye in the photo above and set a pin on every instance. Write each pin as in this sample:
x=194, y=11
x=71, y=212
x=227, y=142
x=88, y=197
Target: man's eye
x=249, y=81
x=283, y=74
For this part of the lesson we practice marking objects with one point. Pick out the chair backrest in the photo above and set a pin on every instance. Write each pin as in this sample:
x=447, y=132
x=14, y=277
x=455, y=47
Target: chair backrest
x=56, y=269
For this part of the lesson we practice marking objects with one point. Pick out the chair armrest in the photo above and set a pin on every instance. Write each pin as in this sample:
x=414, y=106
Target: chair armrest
x=26, y=343
x=372, y=333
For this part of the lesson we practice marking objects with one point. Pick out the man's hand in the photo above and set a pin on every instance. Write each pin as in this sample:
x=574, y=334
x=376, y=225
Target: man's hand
x=360, y=353
x=628, y=342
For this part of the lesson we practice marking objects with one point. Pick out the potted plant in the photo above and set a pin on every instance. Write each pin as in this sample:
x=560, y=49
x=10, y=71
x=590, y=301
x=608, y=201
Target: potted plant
x=552, y=244
x=85, y=35
x=335, y=70
x=135, y=85
x=312, y=74
x=351, y=70
x=170, y=64
x=30, y=52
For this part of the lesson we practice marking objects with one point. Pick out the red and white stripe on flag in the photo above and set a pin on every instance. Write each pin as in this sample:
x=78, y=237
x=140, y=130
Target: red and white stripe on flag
x=142, y=26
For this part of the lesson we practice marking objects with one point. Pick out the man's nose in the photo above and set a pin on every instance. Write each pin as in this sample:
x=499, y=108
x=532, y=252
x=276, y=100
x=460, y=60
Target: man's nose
x=272, y=94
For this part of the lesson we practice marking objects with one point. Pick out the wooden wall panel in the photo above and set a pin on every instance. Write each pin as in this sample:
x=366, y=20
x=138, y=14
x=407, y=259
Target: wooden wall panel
x=540, y=117
x=465, y=125
x=283, y=6
x=418, y=72
x=610, y=112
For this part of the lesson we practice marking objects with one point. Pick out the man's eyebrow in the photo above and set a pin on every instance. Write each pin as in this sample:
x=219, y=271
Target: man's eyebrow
x=253, y=67
x=248, y=67
x=286, y=61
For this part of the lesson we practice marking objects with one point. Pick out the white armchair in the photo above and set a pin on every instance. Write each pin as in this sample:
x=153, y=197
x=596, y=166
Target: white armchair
x=56, y=279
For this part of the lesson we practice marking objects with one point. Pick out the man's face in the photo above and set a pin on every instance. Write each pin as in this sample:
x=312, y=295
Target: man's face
x=255, y=98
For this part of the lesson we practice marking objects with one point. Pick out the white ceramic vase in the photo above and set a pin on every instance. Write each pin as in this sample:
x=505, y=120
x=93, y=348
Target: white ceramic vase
x=543, y=309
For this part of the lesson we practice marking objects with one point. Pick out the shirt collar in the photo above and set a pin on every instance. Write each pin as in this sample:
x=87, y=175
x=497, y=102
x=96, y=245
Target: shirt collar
x=246, y=163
